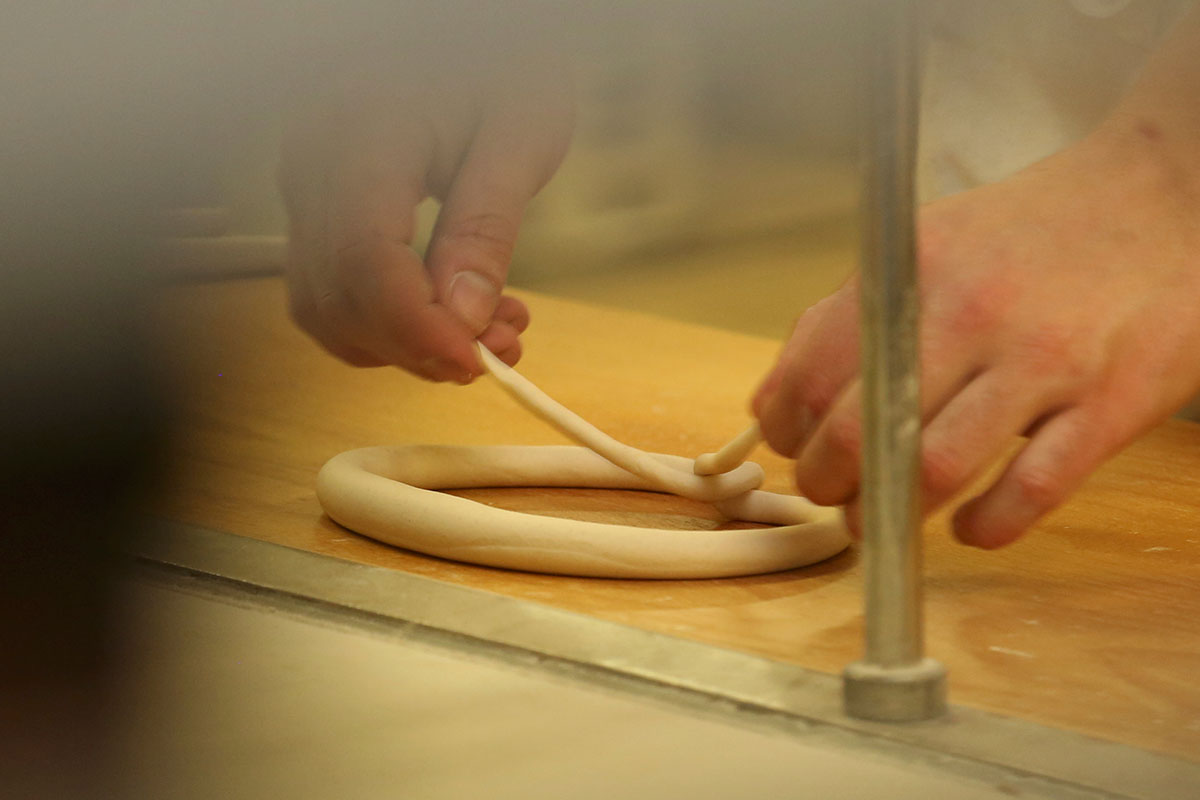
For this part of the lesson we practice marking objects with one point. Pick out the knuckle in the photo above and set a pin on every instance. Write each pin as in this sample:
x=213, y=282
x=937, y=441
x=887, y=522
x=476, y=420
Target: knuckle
x=1059, y=354
x=844, y=434
x=809, y=390
x=1048, y=348
x=981, y=306
x=974, y=314
x=1050, y=344
x=487, y=233
x=1039, y=488
x=942, y=471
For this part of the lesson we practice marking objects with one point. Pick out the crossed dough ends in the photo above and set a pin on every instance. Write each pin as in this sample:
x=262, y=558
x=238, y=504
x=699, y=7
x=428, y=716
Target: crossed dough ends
x=390, y=494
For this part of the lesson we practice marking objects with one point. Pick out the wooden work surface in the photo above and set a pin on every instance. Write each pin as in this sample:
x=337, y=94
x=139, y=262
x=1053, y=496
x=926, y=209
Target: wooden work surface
x=1091, y=623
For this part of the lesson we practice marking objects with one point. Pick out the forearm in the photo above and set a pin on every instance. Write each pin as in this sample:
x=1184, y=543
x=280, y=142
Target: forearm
x=1160, y=114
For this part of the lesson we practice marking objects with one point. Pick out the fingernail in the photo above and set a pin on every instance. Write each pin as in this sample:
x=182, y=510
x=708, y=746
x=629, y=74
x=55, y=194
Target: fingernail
x=473, y=299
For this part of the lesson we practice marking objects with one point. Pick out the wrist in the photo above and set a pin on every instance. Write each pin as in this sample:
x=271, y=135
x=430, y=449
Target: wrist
x=1151, y=152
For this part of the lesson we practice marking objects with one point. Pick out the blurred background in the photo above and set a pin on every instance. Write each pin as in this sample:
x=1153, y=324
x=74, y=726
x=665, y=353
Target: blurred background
x=710, y=179
x=711, y=176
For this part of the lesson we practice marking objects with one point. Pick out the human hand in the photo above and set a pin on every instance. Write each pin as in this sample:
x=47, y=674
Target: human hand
x=1062, y=305
x=483, y=136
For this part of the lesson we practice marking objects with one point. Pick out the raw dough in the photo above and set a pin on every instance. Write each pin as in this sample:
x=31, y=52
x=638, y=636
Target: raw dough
x=731, y=455
x=697, y=486
x=388, y=493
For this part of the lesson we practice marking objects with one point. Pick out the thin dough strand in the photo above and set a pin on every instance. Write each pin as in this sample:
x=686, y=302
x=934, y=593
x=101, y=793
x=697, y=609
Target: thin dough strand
x=731, y=455
x=707, y=488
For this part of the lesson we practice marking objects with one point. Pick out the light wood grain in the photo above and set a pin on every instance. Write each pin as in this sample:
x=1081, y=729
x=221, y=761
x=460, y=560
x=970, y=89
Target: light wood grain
x=1091, y=623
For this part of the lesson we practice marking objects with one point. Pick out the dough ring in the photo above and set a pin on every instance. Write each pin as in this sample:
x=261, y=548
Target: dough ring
x=389, y=494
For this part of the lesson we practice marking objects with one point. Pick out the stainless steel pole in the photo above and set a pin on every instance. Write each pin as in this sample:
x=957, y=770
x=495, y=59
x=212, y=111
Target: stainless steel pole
x=893, y=681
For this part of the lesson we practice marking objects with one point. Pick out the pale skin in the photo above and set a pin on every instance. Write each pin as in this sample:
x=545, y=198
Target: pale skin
x=482, y=132
x=1062, y=304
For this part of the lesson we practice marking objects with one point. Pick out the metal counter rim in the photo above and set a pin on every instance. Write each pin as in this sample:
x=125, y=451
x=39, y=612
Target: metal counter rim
x=977, y=744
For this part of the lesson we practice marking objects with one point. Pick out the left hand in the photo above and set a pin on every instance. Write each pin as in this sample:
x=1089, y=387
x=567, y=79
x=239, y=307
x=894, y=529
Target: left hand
x=482, y=129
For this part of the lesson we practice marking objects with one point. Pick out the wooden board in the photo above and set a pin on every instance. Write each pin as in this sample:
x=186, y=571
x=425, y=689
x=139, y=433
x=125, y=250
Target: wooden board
x=1091, y=623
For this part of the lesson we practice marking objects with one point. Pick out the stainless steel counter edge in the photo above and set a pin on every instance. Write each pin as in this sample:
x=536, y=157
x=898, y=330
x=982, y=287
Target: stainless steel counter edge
x=990, y=746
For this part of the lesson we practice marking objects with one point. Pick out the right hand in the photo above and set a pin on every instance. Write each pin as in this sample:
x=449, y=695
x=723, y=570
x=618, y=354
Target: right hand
x=484, y=138
x=1061, y=305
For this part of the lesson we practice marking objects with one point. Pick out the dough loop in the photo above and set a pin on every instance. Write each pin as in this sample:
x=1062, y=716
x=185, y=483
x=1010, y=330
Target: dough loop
x=389, y=494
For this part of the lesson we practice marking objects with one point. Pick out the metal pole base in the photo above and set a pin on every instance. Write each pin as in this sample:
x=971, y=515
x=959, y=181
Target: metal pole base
x=895, y=694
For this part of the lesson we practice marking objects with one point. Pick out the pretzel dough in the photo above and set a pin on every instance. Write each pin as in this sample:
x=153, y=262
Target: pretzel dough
x=389, y=494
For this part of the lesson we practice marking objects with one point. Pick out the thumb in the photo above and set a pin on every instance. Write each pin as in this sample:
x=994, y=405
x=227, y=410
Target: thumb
x=470, y=254
x=509, y=160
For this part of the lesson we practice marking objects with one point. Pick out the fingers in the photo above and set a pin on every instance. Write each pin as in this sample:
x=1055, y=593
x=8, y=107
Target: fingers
x=828, y=466
x=517, y=147
x=502, y=336
x=391, y=290
x=303, y=310
x=352, y=178
x=803, y=328
x=975, y=427
x=376, y=179
x=1060, y=456
x=971, y=426
x=329, y=337
x=356, y=284
x=817, y=362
